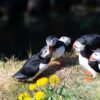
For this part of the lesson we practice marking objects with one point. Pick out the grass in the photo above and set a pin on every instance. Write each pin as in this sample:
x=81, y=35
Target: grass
x=70, y=75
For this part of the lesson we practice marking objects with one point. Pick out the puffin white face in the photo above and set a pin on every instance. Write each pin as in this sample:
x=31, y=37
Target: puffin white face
x=65, y=39
x=78, y=46
x=45, y=52
x=95, y=56
x=52, y=42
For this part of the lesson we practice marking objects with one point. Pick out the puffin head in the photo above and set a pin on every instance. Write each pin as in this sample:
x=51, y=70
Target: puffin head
x=95, y=56
x=51, y=41
x=66, y=40
x=78, y=46
x=45, y=52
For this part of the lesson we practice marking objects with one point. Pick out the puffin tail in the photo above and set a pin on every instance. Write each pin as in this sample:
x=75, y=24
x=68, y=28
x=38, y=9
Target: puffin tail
x=19, y=75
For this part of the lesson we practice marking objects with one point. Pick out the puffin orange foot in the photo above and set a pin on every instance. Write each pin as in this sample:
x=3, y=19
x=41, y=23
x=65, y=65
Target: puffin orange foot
x=88, y=79
x=88, y=73
x=54, y=63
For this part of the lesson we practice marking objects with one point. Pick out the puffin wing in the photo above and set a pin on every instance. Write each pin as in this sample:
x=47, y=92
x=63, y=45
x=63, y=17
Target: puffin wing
x=29, y=69
x=94, y=65
x=42, y=68
x=93, y=40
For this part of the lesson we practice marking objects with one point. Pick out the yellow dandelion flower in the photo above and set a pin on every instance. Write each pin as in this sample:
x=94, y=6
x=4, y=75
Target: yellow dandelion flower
x=32, y=87
x=22, y=96
x=40, y=95
x=53, y=80
x=27, y=98
x=42, y=81
x=25, y=93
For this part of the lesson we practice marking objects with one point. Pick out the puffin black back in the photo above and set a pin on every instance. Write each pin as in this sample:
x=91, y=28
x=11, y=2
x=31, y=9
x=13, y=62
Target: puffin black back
x=59, y=44
x=94, y=65
x=92, y=40
x=32, y=66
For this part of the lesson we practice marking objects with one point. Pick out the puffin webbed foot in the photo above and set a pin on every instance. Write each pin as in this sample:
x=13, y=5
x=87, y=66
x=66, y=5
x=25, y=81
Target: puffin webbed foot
x=58, y=62
x=54, y=62
x=61, y=64
x=88, y=73
x=88, y=79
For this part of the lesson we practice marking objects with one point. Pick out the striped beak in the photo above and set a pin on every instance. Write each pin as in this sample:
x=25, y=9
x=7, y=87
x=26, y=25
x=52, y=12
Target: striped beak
x=74, y=46
x=50, y=48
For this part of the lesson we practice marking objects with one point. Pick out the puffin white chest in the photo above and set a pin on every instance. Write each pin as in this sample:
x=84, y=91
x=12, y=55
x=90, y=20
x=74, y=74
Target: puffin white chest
x=43, y=66
x=83, y=61
x=99, y=66
x=58, y=52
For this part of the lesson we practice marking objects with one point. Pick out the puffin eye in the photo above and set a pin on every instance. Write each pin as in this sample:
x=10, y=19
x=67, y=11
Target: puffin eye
x=45, y=51
x=54, y=41
x=95, y=54
x=63, y=37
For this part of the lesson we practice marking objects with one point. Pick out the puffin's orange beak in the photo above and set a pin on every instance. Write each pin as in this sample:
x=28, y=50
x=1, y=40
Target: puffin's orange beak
x=50, y=48
x=92, y=58
x=74, y=46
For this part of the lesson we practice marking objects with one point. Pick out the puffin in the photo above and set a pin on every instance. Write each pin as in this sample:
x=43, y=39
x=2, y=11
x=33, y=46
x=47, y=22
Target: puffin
x=85, y=46
x=58, y=46
x=84, y=62
x=94, y=62
x=35, y=65
x=88, y=41
x=65, y=39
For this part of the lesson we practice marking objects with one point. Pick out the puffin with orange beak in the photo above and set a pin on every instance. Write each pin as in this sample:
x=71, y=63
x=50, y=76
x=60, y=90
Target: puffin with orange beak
x=58, y=46
x=34, y=66
x=88, y=41
x=85, y=46
x=94, y=62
